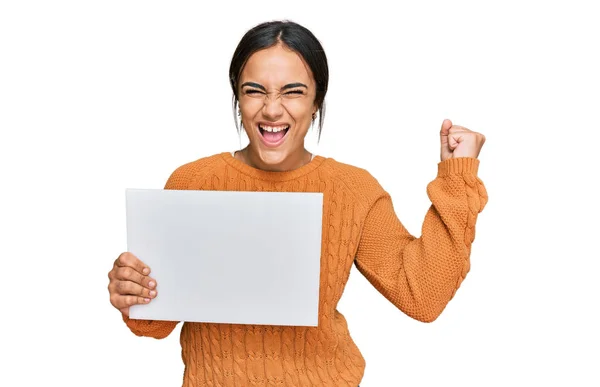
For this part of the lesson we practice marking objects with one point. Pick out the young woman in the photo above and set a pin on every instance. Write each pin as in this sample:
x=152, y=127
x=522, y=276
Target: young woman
x=279, y=79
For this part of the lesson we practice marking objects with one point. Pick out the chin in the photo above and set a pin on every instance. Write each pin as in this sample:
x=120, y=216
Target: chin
x=272, y=157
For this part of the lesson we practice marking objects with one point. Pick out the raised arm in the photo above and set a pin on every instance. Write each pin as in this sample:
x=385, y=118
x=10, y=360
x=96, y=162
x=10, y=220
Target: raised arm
x=421, y=275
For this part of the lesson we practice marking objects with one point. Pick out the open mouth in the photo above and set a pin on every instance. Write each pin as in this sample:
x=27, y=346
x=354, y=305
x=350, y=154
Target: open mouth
x=273, y=134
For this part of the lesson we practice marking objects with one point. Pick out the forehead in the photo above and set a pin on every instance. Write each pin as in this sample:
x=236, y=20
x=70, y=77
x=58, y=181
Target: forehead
x=276, y=66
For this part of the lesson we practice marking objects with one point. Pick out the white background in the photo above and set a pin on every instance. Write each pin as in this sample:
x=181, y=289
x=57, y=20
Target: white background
x=96, y=97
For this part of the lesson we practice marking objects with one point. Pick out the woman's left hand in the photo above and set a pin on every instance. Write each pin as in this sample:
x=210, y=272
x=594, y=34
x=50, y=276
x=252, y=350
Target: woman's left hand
x=458, y=141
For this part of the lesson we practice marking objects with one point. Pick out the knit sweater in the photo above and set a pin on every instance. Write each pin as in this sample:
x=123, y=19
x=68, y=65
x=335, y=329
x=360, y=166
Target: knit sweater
x=360, y=226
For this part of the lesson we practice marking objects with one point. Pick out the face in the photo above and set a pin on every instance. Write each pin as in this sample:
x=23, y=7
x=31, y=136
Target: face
x=276, y=97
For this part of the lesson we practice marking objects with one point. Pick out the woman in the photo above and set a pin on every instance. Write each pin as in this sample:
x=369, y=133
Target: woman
x=279, y=79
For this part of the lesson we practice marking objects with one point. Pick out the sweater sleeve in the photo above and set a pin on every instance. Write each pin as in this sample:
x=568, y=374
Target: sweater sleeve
x=150, y=328
x=155, y=328
x=421, y=275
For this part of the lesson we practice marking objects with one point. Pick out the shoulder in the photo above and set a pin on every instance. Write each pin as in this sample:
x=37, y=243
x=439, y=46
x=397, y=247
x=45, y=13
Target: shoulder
x=184, y=174
x=363, y=185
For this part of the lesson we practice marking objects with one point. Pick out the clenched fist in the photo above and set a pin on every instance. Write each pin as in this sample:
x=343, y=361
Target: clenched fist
x=129, y=283
x=458, y=141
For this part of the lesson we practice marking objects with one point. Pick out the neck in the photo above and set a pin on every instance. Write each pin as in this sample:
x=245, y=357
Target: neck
x=292, y=162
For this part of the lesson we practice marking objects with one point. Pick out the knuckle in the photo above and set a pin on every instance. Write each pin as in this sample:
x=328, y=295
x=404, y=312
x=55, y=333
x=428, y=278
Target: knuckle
x=127, y=272
x=124, y=258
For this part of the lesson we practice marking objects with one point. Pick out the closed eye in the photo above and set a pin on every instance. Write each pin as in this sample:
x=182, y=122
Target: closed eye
x=295, y=92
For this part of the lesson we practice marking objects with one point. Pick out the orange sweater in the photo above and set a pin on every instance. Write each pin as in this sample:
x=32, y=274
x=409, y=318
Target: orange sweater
x=418, y=275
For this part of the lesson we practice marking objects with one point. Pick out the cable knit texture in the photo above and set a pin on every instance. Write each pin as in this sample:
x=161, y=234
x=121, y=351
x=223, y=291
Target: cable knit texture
x=418, y=275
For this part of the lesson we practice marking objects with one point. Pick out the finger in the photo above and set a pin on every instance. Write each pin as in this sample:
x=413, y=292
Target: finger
x=128, y=288
x=466, y=136
x=127, y=259
x=129, y=274
x=133, y=300
x=121, y=302
x=454, y=140
x=459, y=129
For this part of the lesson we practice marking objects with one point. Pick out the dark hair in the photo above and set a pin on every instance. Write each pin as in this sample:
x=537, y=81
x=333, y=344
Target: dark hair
x=294, y=36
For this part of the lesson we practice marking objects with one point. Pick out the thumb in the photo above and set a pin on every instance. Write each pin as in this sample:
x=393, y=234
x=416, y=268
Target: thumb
x=445, y=151
x=446, y=125
x=445, y=131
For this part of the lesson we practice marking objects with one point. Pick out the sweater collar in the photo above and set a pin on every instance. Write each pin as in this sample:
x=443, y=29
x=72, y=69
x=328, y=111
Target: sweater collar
x=269, y=175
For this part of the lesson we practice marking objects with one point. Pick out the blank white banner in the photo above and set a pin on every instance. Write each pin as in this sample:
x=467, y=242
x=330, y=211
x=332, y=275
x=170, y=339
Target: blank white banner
x=228, y=257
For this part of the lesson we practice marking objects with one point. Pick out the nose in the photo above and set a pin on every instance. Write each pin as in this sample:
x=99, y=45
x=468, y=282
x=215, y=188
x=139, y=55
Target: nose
x=272, y=108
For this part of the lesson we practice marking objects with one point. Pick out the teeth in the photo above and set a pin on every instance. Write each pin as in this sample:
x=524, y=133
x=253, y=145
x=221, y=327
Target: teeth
x=273, y=129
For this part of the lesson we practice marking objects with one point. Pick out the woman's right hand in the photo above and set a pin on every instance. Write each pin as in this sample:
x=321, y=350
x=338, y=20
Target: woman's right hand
x=129, y=283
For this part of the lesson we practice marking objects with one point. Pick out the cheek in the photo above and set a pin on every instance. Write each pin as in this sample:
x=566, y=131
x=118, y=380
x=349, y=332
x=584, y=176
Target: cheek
x=300, y=111
x=250, y=107
x=249, y=110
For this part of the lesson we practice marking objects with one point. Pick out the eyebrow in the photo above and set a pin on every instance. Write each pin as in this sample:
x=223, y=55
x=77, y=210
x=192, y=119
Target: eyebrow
x=288, y=86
